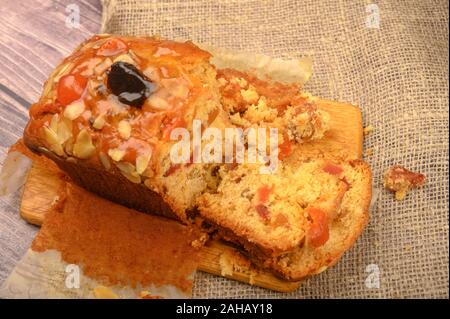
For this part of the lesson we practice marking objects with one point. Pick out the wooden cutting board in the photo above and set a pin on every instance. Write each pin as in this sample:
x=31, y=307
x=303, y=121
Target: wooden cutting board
x=345, y=135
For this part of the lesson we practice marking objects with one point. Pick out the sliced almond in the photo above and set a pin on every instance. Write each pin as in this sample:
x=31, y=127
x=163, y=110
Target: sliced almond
x=74, y=110
x=133, y=177
x=53, y=141
x=87, y=68
x=92, y=87
x=83, y=147
x=126, y=167
x=157, y=103
x=124, y=129
x=133, y=55
x=54, y=122
x=68, y=147
x=103, y=66
x=148, y=173
x=124, y=58
x=87, y=115
x=105, y=161
x=99, y=122
x=116, y=154
x=64, y=130
x=142, y=162
x=51, y=136
x=72, y=160
x=58, y=73
x=175, y=87
x=128, y=170
x=152, y=74
x=114, y=106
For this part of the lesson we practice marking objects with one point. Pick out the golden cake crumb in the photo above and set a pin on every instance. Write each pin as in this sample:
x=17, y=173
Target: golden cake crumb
x=368, y=129
x=102, y=292
x=145, y=294
x=231, y=261
x=250, y=95
x=368, y=152
x=226, y=264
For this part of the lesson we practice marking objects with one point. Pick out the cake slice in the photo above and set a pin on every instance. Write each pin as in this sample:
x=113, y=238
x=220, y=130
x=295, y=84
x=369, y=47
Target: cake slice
x=271, y=215
x=344, y=228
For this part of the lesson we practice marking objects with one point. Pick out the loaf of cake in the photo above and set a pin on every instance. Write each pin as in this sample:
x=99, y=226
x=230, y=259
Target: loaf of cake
x=108, y=116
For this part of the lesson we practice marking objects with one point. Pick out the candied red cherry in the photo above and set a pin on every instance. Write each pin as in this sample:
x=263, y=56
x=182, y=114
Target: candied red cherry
x=70, y=88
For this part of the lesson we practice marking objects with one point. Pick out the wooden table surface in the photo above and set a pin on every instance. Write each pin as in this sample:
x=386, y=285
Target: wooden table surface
x=34, y=37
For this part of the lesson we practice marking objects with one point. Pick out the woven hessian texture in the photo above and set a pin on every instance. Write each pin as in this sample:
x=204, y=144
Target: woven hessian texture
x=397, y=74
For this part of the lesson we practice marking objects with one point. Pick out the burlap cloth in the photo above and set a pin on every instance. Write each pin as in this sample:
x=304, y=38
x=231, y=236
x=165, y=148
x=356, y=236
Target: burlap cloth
x=397, y=74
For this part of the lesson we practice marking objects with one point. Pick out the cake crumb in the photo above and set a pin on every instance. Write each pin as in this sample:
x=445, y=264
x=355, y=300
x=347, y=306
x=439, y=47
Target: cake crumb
x=200, y=242
x=226, y=264
x=102, y=292
x=222, y=81
x=145, y=294
x=400, y=180
x=368, y=129
x=239, y=81
x=368, y=152
x=250, y=95
x=233, y=261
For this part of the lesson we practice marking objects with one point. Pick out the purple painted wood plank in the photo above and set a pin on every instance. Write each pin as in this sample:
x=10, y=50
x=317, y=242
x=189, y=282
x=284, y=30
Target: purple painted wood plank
x=34, y=38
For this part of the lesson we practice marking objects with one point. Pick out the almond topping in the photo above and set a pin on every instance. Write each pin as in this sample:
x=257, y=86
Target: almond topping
x=99, y=121
x=54, y=123
x=142, y=162
x=124, y=129
x=68, y=147
x=83, y=147
x=129, y=172
x=64, y=130
x=116, y=154
x=124, y=58
x=157, y=102
x=175, y=87
x=134, y=177
x=126, y=167
x=103, y=66
x=152, y=74
x=92, y=87
x=53, y=140
x=105, y=161
x=74, y=110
